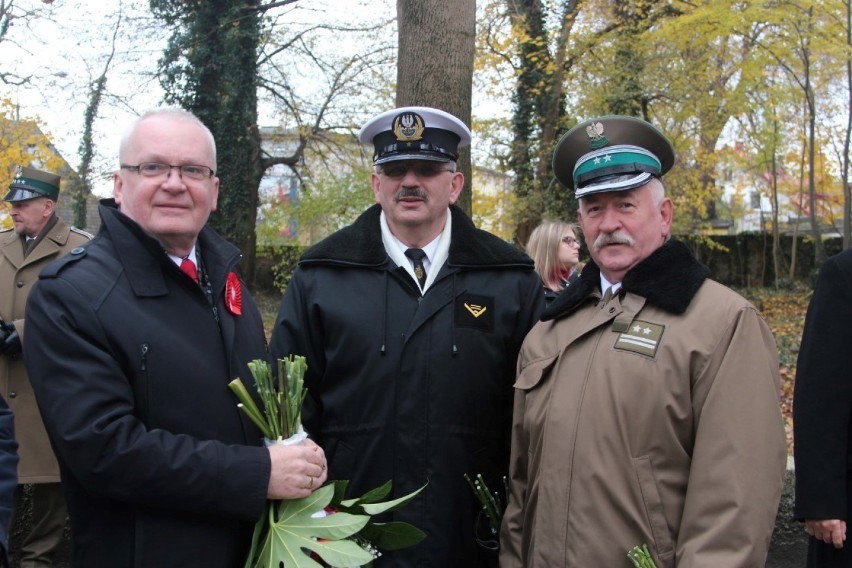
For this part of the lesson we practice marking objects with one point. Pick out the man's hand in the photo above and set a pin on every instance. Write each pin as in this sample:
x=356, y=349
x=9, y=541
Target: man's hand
x=10, y=343
x=296, y=470
x=827, y=530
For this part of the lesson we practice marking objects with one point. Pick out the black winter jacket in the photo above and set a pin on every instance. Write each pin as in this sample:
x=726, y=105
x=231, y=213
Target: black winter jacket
x=416, y=390
x=822, y=410
x=130, y=365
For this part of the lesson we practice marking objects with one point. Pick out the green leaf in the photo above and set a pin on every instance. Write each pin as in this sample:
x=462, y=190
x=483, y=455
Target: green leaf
x=296, y=530
x=392, y=536
x=255, y=539
x=376, y=508
x=339, y=491
x=309, y=505
x=370, y=496
x=340, y=553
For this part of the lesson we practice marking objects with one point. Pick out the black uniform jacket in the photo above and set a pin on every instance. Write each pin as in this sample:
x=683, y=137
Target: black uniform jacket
x=409, y=388
x=822, y=410
x=130, y=364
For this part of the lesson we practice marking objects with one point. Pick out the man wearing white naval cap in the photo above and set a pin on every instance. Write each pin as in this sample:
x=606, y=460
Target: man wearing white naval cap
x=411, y=320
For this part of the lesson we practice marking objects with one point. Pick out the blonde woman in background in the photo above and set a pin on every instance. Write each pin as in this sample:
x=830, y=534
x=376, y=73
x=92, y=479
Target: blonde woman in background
x=555, y=248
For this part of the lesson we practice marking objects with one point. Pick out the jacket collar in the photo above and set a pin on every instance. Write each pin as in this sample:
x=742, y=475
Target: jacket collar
x=144, y=259
x=668, y=279
x=361, y=243
x=53, y=238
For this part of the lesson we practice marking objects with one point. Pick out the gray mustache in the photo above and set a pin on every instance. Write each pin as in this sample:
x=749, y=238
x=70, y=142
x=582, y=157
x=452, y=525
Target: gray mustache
x=616, y=238
x=415, y=192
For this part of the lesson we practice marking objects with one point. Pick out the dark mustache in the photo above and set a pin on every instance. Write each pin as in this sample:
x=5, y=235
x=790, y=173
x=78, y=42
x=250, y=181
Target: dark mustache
x=411, y=192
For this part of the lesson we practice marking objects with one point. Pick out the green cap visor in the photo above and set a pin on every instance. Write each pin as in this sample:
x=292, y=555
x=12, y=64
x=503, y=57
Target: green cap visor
x=22, y=195
x=24, y=188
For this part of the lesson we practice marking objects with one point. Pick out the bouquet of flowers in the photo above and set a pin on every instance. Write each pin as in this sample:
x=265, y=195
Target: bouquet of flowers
x=323, y=527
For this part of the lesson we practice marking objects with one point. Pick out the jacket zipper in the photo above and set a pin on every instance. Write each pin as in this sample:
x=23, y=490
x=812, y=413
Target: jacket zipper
x=143, y=395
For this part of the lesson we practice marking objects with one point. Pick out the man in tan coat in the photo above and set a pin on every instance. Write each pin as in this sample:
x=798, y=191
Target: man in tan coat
x=647, y=398
x=38, y=238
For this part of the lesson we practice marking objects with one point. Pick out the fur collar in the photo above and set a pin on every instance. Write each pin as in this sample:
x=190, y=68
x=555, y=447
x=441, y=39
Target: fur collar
x=361, y=243
x=669, y=278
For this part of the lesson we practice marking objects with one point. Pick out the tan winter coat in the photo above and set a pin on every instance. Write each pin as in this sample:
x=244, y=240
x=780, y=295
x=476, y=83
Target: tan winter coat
x=653, y=419
x=17, y=276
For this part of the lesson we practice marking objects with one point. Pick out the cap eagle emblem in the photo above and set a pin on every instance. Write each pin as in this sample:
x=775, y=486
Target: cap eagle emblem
x=408, y=127
x=595, y=131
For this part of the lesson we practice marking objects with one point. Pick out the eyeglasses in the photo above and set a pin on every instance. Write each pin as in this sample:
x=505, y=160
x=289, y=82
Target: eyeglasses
x=156, y=169
x=421, y=169
x=571, y=241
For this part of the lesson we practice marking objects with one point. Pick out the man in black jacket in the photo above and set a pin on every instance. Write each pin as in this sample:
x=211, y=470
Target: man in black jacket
x=411, y=320
x=131, y=343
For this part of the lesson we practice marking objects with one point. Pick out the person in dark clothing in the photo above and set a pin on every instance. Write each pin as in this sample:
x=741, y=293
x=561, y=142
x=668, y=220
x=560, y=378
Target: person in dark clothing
x=8, y=476
x=822, y=417
x=130, y=351
x=411, y=320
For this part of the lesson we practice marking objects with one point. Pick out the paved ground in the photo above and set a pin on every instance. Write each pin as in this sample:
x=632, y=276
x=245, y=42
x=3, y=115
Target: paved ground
x=789, y=542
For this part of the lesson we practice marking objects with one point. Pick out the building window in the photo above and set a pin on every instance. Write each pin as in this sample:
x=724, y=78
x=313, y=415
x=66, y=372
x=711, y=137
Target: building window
x=755, y=200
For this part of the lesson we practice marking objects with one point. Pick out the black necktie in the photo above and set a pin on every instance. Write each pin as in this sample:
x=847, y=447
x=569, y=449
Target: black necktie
x=30, y=245
x=417, y=255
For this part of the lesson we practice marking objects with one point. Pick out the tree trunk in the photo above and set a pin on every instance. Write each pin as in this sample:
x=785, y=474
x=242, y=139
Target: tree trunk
x=435, y=68
x=210, y=68
x=528, y=103
x=794, y=246
x=776, y=235
x=819, y=248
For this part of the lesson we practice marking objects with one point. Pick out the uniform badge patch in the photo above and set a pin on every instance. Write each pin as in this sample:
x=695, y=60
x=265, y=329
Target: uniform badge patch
x=595, y=132
x=474, y=311
x=641, y=337
x=408, y=127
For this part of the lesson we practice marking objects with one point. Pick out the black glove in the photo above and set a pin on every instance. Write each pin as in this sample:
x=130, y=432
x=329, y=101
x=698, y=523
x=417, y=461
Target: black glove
x=10, y=343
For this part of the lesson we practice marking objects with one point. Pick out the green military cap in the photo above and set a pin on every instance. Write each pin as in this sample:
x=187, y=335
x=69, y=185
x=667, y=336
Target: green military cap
x=415, y=133
x=611, y=153
x=30, y=183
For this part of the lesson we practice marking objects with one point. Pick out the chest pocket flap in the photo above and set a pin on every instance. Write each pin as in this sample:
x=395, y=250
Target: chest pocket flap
x=531, y=375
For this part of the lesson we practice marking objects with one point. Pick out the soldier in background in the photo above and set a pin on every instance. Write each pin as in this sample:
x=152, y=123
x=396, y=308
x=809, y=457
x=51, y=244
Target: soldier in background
x=39, y=237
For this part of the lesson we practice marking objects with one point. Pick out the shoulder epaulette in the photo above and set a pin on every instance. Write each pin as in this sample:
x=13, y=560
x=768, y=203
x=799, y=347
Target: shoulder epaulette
x=53, y=269
x=89, y=236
